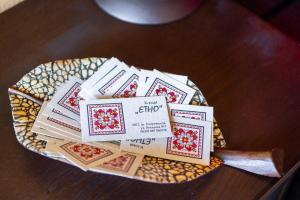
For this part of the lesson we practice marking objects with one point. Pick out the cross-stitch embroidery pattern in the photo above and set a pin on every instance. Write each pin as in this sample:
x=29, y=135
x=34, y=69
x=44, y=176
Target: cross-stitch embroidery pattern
x=71, y=99
x=84, y=153
x=121, y=163
x=189, y=114
x=161, y=88
x=103, y=89
x=128, y=89
x=187, y=140
x=63, y=124
x=106, y=119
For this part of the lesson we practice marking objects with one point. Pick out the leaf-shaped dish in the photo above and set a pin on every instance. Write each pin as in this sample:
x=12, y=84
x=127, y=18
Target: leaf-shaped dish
x=27, y=95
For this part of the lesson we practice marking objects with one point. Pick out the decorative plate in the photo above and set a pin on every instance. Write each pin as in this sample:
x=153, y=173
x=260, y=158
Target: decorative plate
x=27, y=95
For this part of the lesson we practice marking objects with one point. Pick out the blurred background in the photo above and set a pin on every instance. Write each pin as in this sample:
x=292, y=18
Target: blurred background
x=283, y=14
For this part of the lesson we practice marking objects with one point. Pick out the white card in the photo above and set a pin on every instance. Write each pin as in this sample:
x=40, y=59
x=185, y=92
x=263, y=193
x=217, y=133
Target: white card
x=109, y=144
x=66, y=99
x=123, y=163
x=60, y=126
x=106, y=68
x=51, y=135
x=180, y=78
x=51, y=150
x=104, y=85
x=43, y=129
x=46, y=129
x=124, y=118
x=126, y=86
x=159, y=84
x=83, y=155
x=84, y=94
x=48, y=133
x=190, y=142
x=48, y=138
x=204, y=113
x=56, y=114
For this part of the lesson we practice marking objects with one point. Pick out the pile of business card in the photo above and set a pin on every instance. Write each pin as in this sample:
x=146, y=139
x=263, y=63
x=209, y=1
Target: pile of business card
x=108, y=122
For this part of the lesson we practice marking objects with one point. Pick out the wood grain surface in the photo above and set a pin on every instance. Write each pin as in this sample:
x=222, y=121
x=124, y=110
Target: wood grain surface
x=246, y=69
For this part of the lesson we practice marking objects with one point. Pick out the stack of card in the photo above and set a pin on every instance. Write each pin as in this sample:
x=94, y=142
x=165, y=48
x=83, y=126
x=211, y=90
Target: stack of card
x=110, y=121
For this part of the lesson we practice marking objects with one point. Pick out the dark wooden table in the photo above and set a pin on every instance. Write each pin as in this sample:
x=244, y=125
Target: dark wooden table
x=247, y=70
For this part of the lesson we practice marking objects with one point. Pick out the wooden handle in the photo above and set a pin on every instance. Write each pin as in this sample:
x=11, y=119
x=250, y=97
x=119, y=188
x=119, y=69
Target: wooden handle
x=266, y=163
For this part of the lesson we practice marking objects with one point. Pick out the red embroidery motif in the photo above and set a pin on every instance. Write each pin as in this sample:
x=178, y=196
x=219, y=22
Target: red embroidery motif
x=86, y=151
x=73, y=100
x=121, y=163
x=162, y=91
x=162, y=88
x=106, y=118
x=185, y=139
x=131, y=91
